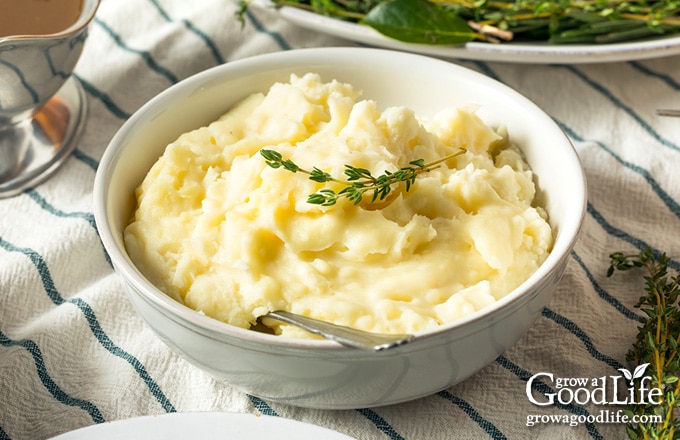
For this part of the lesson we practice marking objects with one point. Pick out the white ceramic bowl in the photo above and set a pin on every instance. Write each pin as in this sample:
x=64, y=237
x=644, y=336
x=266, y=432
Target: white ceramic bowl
x=323, y=374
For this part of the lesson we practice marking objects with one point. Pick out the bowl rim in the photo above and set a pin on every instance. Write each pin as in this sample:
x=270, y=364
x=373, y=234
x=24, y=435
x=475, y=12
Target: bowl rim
x=564, y=240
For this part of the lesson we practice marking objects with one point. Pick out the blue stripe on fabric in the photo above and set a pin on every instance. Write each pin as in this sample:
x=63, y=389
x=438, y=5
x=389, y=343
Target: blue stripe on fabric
x=48, y=382
x=41, y=266
x=579, y=333
x=607, y=94
x=37, y=198
x=262, y=406
x=670, y=82
x=213, y=48
x=602, y=293
x=622, y=235
x=274, y=35
x=667, y=200
x=104, y=98
x=95, y=327
x=88, y=216
x=109, y=345
x=380, y=423
x=487, y=426
x=146, y=56
x=543, y=388
x=87, y=160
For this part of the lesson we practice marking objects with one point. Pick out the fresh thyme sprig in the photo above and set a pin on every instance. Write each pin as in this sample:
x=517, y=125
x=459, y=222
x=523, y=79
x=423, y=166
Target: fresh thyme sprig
x=359, y=180
x=656, y=343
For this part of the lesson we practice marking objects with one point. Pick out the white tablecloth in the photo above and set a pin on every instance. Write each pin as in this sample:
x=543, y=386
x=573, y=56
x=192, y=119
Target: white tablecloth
x=74, y=353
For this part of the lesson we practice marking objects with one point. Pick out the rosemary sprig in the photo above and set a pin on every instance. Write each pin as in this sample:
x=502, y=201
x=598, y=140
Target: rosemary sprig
x=359, y=180
x=656, y=343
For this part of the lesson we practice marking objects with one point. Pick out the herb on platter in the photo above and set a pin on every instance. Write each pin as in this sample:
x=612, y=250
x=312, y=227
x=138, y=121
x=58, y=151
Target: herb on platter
x=657, y=342
x=359, y=180
x=455, y=22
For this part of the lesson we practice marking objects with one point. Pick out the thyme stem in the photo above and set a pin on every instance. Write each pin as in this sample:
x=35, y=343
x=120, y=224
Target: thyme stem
x=656, y=343
x=359, y=181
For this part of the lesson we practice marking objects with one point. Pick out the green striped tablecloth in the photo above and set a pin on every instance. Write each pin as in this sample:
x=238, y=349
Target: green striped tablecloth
x=73, y=352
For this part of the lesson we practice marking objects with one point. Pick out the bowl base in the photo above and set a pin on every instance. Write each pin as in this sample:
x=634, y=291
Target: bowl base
x=32, y=150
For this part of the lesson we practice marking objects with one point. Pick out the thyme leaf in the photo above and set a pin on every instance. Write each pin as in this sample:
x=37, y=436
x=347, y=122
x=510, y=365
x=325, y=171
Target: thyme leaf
x=656, y=343
x=358, y=181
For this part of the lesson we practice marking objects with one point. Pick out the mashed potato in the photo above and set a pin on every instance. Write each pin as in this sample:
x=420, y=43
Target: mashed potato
x=225, y=234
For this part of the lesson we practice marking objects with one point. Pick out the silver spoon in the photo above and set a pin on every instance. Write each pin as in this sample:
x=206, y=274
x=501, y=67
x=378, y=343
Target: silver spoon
x=344, y=335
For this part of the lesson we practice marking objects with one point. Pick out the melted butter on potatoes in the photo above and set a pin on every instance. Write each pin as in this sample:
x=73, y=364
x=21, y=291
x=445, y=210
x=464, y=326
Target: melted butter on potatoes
x=219, y=230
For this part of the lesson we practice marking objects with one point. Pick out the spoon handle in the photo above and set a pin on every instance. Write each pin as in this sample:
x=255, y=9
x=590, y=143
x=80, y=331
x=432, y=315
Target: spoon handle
x=668, y=112
x=344, y=335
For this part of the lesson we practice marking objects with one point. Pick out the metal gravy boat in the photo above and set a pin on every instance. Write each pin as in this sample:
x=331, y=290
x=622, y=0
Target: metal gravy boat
x=42, y=106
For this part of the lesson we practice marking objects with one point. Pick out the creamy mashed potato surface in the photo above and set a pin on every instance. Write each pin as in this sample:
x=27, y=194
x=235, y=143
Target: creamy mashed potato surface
x=219, y=230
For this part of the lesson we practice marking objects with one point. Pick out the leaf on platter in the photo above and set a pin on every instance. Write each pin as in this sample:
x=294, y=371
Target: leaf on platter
x=420, y=22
